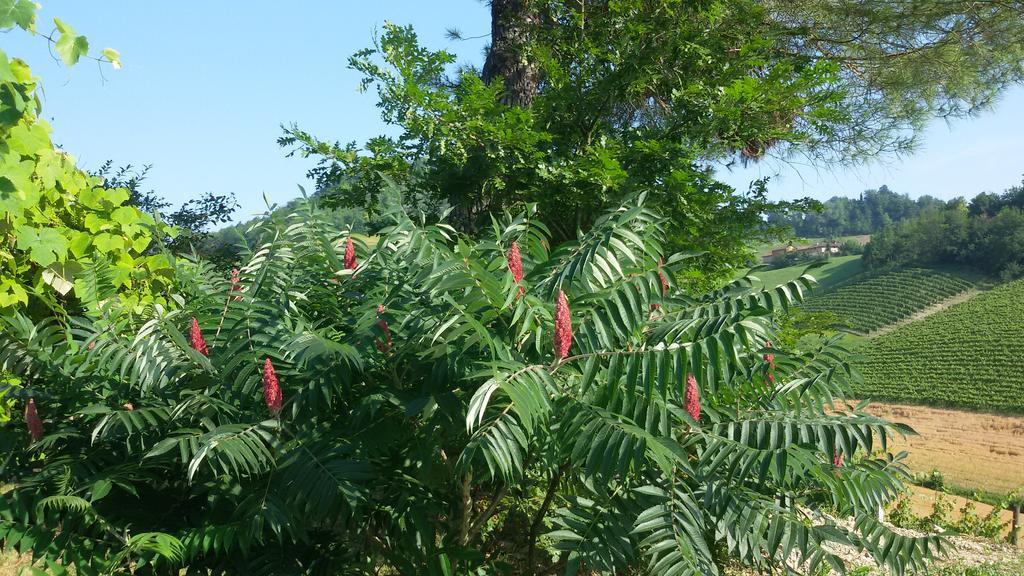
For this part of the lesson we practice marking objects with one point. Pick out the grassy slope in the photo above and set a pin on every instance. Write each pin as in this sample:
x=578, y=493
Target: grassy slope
x=968, y=355
x=835, y=271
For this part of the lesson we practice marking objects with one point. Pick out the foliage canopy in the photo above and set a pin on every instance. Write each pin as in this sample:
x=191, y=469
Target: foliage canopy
x=427, y=426
x=580, y=105
x=64, y=236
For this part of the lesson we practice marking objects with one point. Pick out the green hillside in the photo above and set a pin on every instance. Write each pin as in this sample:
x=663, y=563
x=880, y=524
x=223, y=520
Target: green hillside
x=881, y=300
x=835, y=271
x=968, y=355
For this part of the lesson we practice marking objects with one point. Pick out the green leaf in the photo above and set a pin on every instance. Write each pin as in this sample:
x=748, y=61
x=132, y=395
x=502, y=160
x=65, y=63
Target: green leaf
x=12, y=293
x=30, y=139
x=44, y=246
x=106, y=242
x=125, y=215
x=20, y=13
x=70, y=46
x=100, y=489
x=6, y=73
x=80, y=242
x=113, y=56
x=61, y=276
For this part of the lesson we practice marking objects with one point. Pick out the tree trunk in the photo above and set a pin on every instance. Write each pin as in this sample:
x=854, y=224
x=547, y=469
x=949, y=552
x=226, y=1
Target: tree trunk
x=513, y=23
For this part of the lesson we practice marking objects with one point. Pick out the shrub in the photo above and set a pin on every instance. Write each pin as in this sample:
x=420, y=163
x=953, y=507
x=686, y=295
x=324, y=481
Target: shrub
x=932, y=479
x=941, y=508
x=902, y=514
x=851, y=246
x=416, y=419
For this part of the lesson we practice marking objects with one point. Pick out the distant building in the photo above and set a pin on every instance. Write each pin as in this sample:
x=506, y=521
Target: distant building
x=820, y=250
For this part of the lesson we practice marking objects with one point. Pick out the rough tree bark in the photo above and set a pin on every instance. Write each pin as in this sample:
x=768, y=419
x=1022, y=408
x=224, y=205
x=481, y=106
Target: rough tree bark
x=513, y=23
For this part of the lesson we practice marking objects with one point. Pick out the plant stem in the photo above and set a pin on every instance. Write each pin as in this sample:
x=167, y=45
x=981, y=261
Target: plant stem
x=538, y=520
x=466, y=509
x=491, y=510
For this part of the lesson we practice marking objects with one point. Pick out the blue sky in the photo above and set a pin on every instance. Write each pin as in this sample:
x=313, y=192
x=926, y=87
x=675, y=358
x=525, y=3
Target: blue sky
x=206, y=85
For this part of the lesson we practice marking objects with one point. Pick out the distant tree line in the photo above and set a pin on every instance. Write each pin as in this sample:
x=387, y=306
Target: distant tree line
x=987, y=234
x=873, y=211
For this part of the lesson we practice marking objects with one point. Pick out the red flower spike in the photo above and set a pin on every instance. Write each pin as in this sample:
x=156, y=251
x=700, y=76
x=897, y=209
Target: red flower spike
x=350, y=255
x=515, y=266
x=195, y=337
x=664, y=285
x=563, y=327
x=271, y=389
x=837, y=460
x=32, y=421
x=383, y=346
x=769, y=357
x=236, y=283
x=515, y=262
x=692, y=397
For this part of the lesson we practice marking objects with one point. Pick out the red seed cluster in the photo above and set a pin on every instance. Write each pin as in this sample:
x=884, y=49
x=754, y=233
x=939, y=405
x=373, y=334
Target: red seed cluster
x=350, y=255
x=770, y=359
x=271, y=389
x=664, y=284
x=692, y=397
x=195, y=336
x=236, y=283
x=383, y=324
x=563, y=327
x=515, y=262
x=515, y=265
x=837, y=460
x=32, y=421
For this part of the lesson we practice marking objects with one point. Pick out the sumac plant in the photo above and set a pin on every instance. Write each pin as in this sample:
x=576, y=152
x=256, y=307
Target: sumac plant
x=412, y=415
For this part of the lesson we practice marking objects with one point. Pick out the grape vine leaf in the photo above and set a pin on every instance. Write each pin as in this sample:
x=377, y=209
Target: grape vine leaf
x=113, y=56
x=20, y=13
x=44, y=245
x=70, y=46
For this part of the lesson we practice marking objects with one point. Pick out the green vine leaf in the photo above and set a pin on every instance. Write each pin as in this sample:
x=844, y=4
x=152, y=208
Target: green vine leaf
x=20, y=13
x=113, y=56
x=70, y=46
x=45, y=246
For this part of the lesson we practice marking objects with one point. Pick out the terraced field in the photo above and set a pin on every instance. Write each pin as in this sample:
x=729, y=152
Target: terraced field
x=882, y=300
x=969, y=355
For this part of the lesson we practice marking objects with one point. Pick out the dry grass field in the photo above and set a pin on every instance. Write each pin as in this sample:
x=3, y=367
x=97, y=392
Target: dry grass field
x=973, y=450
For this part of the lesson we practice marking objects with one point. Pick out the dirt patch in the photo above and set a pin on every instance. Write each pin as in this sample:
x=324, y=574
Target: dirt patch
x=11, y=564
x=973, y=450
